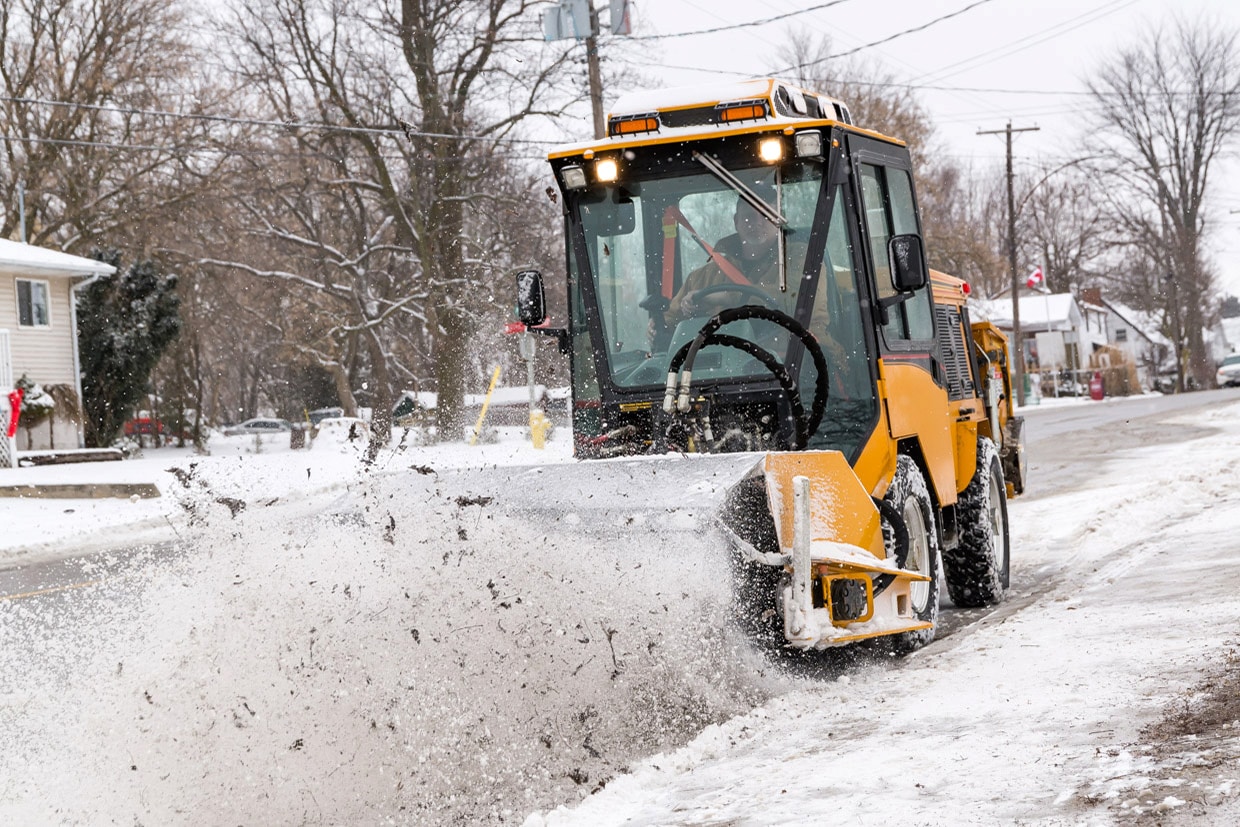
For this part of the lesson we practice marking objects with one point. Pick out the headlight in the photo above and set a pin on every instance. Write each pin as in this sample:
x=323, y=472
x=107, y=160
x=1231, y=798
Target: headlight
x=809, y=144
x=771, y=150
x=574, y=178
x=606, y=170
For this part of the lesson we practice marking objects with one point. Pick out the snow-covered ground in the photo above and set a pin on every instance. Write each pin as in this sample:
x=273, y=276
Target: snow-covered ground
x=375, y=644
x=244, y=468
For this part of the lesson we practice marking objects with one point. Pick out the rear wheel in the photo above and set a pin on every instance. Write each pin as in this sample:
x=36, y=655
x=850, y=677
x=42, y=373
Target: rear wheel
x=910, y=498
x=977, y=569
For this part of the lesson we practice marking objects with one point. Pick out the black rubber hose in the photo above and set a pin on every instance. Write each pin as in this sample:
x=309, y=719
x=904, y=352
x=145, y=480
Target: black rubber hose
x=900, y=534
x=800, y=435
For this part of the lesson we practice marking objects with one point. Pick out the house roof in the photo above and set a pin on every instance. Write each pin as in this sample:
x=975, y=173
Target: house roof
x=1144, y=323
x=17, y=259
x=1035, y=311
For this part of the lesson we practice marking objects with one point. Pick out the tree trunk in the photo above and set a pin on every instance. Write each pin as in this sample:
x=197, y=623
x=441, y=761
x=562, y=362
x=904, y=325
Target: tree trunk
x=381, y=413
x=451, y=364
x=344, y=389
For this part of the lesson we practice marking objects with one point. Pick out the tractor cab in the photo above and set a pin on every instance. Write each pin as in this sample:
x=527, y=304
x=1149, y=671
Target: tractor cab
x=746, y=273
x=719, y=297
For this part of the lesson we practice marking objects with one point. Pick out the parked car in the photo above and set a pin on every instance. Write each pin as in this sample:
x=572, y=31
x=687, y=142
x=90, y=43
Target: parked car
x=144, y=426
x=319, y=414
x=1229, y=371
x=259, y=425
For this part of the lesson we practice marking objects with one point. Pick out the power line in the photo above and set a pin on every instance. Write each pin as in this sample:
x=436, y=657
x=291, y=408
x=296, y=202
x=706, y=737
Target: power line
x=887, y=39
x=248, y=152
x=286, y=125
x=1030, y=40
x=750, y=24
x=92, y=144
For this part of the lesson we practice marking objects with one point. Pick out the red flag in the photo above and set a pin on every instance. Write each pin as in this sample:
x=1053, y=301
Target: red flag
x=1036, y=279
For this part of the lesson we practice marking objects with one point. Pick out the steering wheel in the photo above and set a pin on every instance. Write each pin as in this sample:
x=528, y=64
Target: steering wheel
x=743, y=289
x=802, y=425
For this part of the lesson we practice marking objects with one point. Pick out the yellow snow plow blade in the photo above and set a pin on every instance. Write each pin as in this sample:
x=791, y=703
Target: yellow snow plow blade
x=830, y=533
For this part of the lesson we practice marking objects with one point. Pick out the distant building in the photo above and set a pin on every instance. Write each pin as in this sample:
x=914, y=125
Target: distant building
x=1057, y=331
x=1138, y=334
x=38, y=334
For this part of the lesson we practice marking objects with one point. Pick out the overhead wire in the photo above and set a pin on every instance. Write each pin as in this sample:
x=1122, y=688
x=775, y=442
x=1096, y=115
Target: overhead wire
x=888, y=38
x=734, y=26
x=246, y=152
x=1030, y=40
x=396, y=129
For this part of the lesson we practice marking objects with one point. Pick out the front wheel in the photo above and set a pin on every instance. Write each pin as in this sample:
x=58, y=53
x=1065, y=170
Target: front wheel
x=910, y=498
x=977, y=569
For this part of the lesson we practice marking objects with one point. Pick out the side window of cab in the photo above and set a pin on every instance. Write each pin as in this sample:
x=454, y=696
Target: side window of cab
x=887, y=193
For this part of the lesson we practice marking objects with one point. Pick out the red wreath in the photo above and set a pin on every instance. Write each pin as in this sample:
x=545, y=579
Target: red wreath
x=15, y=411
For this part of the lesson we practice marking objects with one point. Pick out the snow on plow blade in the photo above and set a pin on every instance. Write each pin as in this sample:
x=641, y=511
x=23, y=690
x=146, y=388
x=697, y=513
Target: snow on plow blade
x=803, y=516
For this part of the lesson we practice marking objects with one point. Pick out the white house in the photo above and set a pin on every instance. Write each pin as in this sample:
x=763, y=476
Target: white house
x=38, y=335
x=1137, y=334
x=1057, y=331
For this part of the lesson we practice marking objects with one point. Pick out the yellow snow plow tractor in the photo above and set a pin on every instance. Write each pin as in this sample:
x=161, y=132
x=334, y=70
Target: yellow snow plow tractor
x=749, y=292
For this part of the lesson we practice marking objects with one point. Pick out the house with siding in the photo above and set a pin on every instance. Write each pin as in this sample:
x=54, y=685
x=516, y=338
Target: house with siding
x=38, y=335
x=1058, y=332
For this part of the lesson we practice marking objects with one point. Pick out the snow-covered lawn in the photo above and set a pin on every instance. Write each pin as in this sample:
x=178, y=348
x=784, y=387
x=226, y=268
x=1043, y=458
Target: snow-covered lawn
x=238, y=467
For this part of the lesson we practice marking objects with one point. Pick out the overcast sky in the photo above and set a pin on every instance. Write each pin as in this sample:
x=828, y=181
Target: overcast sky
x=1037, y=51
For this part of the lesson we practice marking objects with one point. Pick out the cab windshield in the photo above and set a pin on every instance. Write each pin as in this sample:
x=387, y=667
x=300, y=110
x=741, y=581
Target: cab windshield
x=667, y=253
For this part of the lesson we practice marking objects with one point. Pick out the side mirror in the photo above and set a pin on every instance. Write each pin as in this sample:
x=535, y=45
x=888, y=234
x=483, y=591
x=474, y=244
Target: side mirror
x=908, y=262
x=531, y=300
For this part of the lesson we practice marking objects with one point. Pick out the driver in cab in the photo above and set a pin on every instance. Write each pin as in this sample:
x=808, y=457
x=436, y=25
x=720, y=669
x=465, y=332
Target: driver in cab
x=752, y=256
x=753, y=250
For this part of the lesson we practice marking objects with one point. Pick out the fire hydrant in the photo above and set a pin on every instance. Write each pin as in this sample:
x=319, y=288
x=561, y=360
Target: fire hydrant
x=539, y=425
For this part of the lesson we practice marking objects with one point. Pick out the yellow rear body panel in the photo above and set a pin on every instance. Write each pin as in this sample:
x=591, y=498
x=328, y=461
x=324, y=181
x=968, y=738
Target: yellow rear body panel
x=918, y=409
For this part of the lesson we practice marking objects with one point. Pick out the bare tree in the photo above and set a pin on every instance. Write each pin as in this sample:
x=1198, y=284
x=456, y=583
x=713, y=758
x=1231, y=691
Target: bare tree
x=1062, y=226
x=1168, y=107
x=388, y=220
x=960, y=239
x=84, y=85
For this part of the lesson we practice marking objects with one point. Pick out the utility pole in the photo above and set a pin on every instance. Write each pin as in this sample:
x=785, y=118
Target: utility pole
x=1178, y=330
x=1018, y=363
x=596, y=76
x=579, y=19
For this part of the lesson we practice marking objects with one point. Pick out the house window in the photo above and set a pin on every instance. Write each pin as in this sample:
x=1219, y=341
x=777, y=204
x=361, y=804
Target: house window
x=1121, y=335
x=33, y=307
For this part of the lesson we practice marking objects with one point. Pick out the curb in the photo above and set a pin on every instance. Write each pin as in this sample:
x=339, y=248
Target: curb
x=94, y=491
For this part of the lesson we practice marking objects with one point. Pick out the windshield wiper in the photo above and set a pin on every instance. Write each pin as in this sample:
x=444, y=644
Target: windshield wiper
x=754, y=200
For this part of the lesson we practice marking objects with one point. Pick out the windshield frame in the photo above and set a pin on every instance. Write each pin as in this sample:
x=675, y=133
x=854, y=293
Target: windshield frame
x=680, y=163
